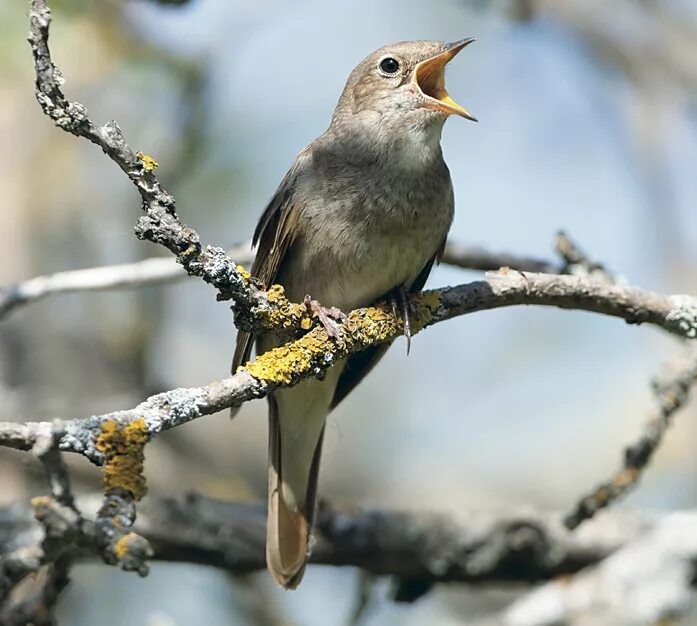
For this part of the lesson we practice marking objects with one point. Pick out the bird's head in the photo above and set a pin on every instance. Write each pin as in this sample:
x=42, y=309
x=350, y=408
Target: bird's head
x=401, y=86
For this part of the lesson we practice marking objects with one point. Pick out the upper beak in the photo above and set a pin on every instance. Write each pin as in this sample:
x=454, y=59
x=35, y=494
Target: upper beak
x=429, y=78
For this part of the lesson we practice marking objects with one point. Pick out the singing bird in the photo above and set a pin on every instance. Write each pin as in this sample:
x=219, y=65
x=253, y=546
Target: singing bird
x=362, y=215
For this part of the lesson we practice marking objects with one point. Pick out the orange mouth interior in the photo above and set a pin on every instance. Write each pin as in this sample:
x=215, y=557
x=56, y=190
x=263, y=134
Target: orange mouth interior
x=429, y=77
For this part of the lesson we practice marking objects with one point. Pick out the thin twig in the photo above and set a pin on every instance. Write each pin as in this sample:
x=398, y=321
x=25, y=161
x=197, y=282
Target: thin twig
x=578, y=262
x=672, y=393
x=46, y=448
x=154, y=271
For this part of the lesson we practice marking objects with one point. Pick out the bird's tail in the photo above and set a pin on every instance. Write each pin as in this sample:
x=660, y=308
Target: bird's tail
x=295, y=446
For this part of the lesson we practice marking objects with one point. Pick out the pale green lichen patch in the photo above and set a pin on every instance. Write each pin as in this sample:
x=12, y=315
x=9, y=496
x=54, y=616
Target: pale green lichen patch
x=425, y=305
x=316, y=352
x=149, y=164
x=682, y=318
x=123, y=450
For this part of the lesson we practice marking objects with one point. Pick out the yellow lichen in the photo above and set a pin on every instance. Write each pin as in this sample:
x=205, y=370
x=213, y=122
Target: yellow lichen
x=284, y=314
x=306, y=323
x=122, y=545
x=149, y=164
x=626, y=478
x=242, y=271
x=122, y=447
x=363, y=328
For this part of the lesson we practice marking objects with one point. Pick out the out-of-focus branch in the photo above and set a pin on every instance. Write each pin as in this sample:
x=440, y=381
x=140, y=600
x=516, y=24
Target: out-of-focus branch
x=578, y=262
x=159, y=270
x=477, y=547
x=650, y=580
x=477, y=258
x=672, y=393
x=152, y=271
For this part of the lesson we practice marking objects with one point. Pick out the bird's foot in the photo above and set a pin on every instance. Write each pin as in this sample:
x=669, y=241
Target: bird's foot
x=401, y=307
x=330, y=317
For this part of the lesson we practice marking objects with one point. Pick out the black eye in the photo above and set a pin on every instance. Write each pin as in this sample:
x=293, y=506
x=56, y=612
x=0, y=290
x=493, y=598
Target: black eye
x=389, y=65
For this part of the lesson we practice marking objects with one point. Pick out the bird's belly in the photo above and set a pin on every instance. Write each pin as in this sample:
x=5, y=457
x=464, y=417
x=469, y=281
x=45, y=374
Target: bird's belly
x=353, y=267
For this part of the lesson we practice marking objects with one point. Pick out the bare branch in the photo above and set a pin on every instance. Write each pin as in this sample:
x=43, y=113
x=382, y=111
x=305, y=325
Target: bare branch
x=578, y=262
x=672, y=393
x=159, y=270
x=473, y=258
x=154, y=271
x=46, y=448
x=34, y=599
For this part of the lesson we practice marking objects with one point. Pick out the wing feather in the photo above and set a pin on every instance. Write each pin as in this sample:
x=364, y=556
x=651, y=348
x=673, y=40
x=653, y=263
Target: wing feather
x=273, y=236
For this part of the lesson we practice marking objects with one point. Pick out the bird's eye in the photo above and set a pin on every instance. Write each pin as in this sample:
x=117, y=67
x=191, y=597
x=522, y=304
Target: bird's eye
x=389, y=66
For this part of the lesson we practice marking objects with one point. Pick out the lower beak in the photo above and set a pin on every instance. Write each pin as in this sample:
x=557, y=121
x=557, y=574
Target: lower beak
x=429, y=79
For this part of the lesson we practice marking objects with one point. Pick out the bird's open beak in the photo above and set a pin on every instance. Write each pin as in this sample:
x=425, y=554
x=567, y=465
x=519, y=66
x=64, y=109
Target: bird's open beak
x=429, y=78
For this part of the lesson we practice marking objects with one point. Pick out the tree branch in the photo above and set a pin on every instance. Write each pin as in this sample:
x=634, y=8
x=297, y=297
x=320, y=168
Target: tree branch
x=650, y=580
x=312, y=354
x=160, y=223
x=672, y=392
x=154, y=271
x=477, y=547
x=161, y=270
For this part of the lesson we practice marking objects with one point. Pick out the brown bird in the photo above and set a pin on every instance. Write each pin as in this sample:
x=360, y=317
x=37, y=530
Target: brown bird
x=361, y=215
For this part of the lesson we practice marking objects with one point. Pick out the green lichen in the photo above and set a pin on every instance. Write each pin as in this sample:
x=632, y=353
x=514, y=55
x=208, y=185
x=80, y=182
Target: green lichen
x=123, y=450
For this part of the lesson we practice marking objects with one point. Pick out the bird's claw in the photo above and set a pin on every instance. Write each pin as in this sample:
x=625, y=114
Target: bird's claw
x=401, y=307
x=330, y=317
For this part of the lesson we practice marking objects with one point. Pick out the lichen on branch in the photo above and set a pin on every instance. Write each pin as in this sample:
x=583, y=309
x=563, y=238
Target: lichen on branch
x=315, y=352
x=123, y=449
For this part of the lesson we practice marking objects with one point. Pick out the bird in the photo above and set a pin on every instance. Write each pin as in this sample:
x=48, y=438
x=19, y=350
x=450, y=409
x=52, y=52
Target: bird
x=362, y=215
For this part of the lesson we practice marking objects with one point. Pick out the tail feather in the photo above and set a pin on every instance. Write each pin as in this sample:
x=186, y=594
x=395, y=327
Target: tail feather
x=292, y=497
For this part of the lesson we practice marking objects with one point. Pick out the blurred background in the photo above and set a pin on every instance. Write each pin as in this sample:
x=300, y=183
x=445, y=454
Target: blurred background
x=588, y=122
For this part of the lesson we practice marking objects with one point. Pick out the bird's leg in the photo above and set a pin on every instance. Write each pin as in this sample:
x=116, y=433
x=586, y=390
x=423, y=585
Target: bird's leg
x=401, y=307
x=329, y=317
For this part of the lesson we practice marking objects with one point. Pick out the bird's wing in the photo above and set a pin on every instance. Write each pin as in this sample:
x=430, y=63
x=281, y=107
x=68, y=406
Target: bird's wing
x=358, y=366
x=273, y=235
